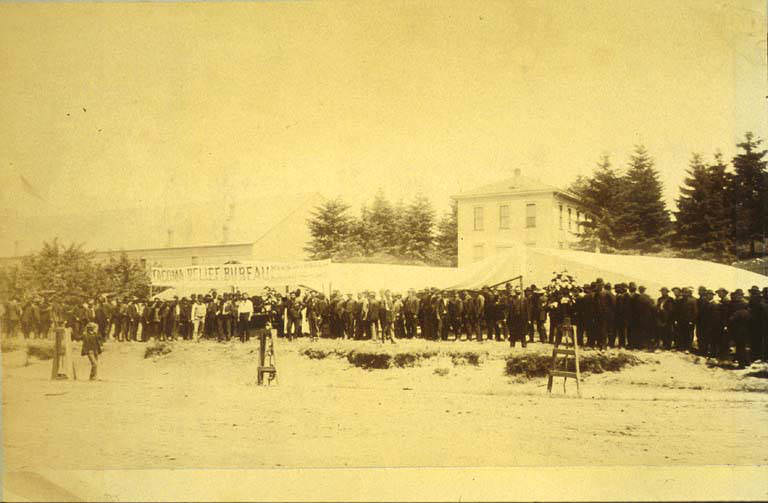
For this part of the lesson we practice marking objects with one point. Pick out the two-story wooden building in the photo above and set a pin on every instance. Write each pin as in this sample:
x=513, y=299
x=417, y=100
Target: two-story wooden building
x=518, y=211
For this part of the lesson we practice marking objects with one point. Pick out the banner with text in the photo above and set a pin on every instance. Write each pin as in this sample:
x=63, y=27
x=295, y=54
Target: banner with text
x=234, y=274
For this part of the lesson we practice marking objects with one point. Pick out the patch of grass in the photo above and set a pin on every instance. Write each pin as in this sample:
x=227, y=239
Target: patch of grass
x=157, y=349
x=369, y=359
x=366, y=355
x=42, y=350
x=406, y=359
x=538, y=364
x=442, y=371
x=467, y=357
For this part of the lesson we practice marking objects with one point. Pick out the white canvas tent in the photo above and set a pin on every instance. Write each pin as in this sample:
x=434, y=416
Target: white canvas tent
x=538, y=265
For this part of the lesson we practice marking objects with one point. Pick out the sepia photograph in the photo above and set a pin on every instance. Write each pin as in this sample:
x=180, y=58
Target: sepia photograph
x=391, y=250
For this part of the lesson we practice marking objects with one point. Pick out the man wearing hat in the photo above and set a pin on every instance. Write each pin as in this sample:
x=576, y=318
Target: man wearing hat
x=665, y=306
x=632, y=310
x=686, y=320
x=739, y=322
x=720, y=312
x=606, y=312
x=707, y=345
x=758, y=325
x=91, y=347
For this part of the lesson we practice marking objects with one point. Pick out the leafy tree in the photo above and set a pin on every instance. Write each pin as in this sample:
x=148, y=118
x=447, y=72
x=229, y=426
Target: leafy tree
x=447, y=238
x=749, y=193
x=330, y=227
x=67, y=273
x=126, y=277
x=644, y=222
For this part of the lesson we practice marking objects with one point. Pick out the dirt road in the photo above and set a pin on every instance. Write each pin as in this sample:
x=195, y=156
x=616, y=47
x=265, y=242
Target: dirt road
x=199, y=407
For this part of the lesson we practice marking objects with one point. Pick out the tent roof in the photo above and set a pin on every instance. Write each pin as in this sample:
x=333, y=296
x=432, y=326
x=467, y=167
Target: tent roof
x=538, y=265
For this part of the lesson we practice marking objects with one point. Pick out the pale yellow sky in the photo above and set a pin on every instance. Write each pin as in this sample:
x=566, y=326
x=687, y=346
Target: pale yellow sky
x=191, y=101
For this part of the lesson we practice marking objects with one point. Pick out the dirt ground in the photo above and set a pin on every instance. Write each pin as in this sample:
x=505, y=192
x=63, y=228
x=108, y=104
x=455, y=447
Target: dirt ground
x=199, y=407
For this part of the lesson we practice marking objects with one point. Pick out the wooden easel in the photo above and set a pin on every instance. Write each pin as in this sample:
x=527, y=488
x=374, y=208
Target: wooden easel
x=571, y=349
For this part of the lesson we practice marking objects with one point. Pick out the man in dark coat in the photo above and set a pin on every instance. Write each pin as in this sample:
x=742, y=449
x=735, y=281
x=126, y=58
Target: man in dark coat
x=631, y=313
x=665, y=306
x=687, y=317
x=758, y=327
x=707, y=345
x=470, y=314
x=606, y=307
x=646, y=320
x=739, y=321
x=622, y=313
x=720, y=314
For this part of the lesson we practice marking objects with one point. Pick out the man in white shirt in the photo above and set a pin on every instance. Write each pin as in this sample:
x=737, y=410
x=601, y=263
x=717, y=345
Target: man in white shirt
x=244, y=315
x=198, y=318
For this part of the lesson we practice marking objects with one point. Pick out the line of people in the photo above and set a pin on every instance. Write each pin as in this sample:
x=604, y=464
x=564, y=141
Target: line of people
x=623, y=315
x=130, y=319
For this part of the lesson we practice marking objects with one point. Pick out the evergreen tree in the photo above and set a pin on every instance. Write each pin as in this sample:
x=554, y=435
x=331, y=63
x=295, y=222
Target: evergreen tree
x=383, y=224
x=601, y=195
x=362, y=234
x=447, y=239
x=691, y=225
x=418, y=225
x=749, y=193
x=330, y=227
x=399, y=238
x=644, y=222
x=719, y=242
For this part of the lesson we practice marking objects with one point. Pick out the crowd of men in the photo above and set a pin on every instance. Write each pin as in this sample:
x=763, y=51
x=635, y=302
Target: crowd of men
x=602, y=315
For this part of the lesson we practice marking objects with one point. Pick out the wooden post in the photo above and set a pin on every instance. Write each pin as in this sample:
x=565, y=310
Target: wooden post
x=63, y=363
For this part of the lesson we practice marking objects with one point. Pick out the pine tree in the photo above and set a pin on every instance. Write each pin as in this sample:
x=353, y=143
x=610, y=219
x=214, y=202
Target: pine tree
x=447, y=239
x=362, y=234
x=749, y=193
x=601, y=196
x=383, y=224
x=418, y=226
x=644, y=223
x=399, y=238
x=719, y=243
x=691, y=225
x=330, y=227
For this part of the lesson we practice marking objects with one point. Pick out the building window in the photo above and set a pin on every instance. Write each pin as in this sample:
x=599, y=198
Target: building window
x=477, y=253
x=195, y=260
x=530, y=215
x=478, y=218
x=560, y=244
x=504, y=217
x=561, y=217
x=570, y=220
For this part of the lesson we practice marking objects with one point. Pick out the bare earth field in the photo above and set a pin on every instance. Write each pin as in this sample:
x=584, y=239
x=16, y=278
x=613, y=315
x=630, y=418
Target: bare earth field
x=199, y=406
